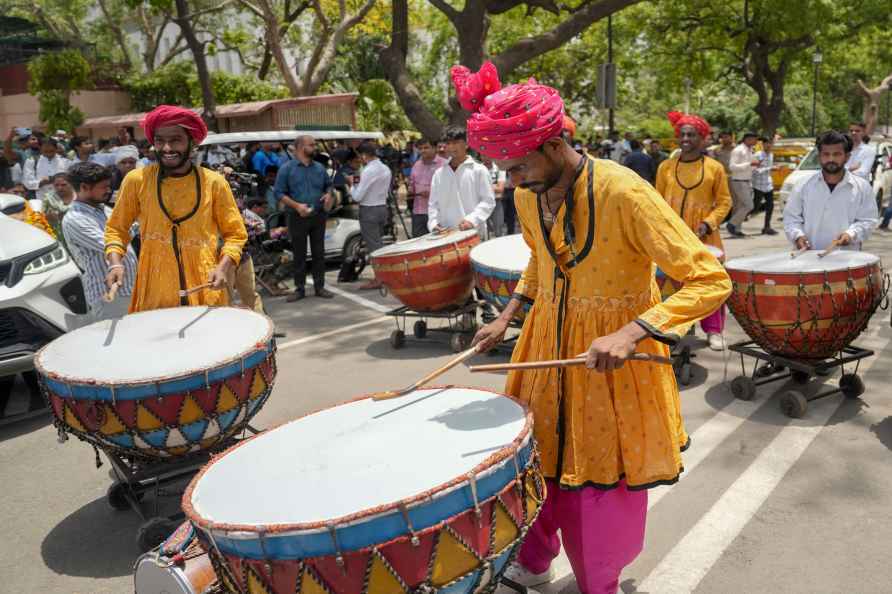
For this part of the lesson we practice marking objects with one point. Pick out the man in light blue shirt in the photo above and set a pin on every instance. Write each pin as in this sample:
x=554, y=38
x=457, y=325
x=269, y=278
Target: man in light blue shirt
x=763, y=185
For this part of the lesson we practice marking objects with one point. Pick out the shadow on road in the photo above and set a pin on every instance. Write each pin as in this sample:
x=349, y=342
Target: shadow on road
x=436, y=346
x=95, y=541
x=883, y=431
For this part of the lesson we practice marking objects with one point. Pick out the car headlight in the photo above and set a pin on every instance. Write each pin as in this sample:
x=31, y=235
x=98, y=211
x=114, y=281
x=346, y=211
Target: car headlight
x=47, y=261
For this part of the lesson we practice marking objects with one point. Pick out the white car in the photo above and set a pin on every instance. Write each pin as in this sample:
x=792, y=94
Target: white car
x=41, y=294
x=881, y=178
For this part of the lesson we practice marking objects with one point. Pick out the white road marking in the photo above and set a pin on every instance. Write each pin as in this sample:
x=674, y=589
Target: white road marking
x=694, y=555
x=357, y=299
x=306, y=339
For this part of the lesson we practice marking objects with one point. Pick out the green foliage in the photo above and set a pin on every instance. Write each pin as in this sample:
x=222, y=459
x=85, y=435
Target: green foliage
x=54, y=76
x=177, y=84
x=377, y=108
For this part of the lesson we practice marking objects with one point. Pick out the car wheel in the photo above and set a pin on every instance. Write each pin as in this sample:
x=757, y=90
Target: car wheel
x=355, y=250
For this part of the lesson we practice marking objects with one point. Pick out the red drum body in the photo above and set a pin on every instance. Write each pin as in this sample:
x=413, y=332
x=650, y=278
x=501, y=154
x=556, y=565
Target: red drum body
x=410, y=499
x=162, y=383
x=669, y=286
x=428, y=273
x=806, y=307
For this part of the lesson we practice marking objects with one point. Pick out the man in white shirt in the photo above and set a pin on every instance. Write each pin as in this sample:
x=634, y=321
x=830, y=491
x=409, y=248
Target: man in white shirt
x=371, y=195
x=863, y=155
x=461, y=193
x=741, y=165
x=37, y=173
x=763, y=185
x=833, y=205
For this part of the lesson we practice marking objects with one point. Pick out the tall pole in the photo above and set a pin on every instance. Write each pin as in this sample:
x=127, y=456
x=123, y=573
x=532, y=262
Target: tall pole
x=888, y=101
x=610, y=119
x=816, y=59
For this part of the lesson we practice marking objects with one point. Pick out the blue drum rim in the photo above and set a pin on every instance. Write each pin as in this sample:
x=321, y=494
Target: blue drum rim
x=368, y=527
x=85, y=389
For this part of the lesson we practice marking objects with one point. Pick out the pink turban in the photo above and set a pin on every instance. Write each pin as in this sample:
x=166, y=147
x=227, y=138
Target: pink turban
x=678, y=120
x=510, y=122
x=171, y=115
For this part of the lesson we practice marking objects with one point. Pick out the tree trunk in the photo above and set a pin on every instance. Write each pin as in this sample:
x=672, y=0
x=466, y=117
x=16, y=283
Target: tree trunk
x=183, y=20
x=872, y=99
x=263, y=72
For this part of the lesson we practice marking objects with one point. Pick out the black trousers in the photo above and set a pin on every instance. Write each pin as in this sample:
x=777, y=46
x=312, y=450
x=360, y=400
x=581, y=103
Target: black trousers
x=765, y=200
x=508, y=210
x=419, y=225
x=300, y=228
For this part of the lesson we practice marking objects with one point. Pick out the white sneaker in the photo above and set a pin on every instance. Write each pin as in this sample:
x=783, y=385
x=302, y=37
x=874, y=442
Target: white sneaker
x=518, y=573
x=715, y=341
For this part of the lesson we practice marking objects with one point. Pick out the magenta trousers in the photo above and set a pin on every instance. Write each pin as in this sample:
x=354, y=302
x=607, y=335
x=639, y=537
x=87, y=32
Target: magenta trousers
x=602, y=532
x=714, y=323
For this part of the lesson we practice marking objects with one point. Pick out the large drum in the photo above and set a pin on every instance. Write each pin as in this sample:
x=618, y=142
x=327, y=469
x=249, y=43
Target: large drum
x=160, y=383
x=669, y=286
x=179, y=566
x=428, y=273
x=430, y=493
x=498, y=265
x=806, y=307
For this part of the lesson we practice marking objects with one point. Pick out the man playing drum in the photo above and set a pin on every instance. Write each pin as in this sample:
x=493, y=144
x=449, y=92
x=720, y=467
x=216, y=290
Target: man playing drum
x=696, y=188
x=833, y=208
x=183, y=213
x=595, y=231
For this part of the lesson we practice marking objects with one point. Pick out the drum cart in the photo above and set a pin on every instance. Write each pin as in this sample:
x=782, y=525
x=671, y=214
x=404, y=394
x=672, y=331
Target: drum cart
x=461, y=324
x=794, y=403
x=134, y=477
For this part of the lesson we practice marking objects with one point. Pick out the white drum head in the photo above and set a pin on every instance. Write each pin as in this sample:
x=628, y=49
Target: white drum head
x=425, y=242
x=782, y=263
x=155, y=345
x=510, y=252
x=151, y=576
x=356, y=457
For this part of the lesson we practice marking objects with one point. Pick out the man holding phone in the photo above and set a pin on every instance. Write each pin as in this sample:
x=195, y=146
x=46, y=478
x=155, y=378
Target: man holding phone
x=304, y=187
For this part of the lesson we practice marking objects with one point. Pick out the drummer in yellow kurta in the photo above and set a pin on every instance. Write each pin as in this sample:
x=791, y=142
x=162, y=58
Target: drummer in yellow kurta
x=612, y=429
x=696, y=188
x=183, y=212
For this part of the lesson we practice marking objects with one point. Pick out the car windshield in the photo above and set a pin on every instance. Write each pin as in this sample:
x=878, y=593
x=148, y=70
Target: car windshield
x=810, y=162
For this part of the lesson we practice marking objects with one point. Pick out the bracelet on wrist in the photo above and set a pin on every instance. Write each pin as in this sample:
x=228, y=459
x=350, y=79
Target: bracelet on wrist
x=110, y=266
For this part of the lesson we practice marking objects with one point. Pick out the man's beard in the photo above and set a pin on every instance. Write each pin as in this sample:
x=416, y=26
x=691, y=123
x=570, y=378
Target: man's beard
x=831, y=168
x=550, y=181
x=183, y=158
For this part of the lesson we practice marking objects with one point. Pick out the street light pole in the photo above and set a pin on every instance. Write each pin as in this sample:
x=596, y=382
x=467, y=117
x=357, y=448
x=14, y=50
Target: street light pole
x=888, y=101
x=610, y=116
x=816, y=59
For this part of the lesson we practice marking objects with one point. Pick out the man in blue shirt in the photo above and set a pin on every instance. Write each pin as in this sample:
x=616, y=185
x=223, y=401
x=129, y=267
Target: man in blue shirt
x=304, y=187
x=640, y=162
x=265, y=157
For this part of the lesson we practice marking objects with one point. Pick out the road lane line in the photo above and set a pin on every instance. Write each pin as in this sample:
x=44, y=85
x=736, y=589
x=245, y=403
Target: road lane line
x=357, y=299
x=336, y=331
x=684, y=567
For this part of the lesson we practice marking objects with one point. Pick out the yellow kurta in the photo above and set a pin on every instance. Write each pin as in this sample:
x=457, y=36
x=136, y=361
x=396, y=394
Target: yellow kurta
x=626, y=423
x=198, y=237
x=707, y=199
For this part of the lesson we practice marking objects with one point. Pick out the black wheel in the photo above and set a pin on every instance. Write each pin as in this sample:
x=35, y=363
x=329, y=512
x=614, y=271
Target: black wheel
x=420, y=329
x=684, y=376
x=743, y=388
x=801, y=377
x=397, y=339
x=793, y=404
x=153, y=532
x=355, y=250
x=117, y=496
x=851, y=385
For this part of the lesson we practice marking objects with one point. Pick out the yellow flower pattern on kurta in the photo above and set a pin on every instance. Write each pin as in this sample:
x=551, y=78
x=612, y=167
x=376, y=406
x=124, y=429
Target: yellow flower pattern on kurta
x=217, y=217
x=626, y=423
x=708, y=199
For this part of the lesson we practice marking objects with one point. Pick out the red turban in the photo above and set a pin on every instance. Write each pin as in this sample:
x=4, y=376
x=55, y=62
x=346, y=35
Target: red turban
x=171, y=115
x=678, y=119
x=510, y=122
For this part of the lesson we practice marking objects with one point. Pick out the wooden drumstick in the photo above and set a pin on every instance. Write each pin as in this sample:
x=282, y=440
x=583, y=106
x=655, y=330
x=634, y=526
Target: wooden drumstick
x=798, y=253
x=563, y=363
x=112, y=292
x=430, y=377
x=830, y=248
x=188, y=292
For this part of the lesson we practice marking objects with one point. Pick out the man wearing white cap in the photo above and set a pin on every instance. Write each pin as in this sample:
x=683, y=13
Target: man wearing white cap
x=125, y=162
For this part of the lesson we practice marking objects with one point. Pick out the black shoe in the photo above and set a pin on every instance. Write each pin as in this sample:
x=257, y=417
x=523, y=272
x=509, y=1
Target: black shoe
x=324, y=293
x=768, y=231
x=296, y=296
x=279, y=334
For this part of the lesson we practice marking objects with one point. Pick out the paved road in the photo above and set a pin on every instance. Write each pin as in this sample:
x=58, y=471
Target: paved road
x=766, y=504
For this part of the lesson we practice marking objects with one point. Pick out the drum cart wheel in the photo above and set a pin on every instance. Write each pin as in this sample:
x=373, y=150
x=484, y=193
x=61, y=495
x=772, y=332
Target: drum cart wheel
x=154, y=531
x=461, y=324
x=397, y=339
x=743, y=388
x=794, y=403
x=682, y=357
